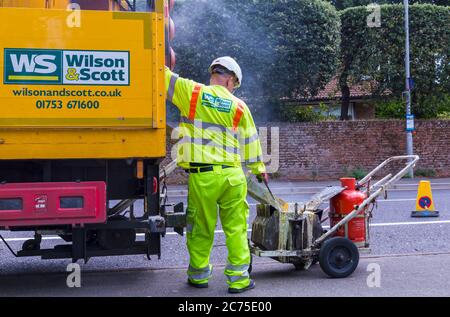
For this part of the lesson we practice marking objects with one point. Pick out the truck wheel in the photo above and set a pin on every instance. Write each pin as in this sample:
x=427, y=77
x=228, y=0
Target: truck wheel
x=31, y=245
x=338, y=257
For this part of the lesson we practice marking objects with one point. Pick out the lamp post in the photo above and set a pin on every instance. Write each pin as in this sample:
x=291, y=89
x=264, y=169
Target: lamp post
x=409, y=116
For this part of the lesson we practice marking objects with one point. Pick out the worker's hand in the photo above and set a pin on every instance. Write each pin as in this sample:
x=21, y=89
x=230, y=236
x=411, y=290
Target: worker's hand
x=263, y=177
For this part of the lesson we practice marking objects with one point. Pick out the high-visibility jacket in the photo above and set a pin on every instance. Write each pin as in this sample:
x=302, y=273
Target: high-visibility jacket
x=215, y=127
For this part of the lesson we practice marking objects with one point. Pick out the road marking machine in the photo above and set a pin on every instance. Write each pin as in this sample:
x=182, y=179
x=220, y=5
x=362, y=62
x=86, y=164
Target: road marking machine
x=293, y=232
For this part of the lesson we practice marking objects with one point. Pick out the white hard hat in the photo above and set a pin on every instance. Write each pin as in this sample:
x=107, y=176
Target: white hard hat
x=230, y=64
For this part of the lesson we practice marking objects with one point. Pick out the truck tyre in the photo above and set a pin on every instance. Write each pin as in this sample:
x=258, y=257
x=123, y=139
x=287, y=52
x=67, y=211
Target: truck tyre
x=31, y=245
x=338, y=257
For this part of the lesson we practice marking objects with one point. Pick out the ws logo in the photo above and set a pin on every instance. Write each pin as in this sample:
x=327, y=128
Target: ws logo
x=66, y=67
x=32, y=66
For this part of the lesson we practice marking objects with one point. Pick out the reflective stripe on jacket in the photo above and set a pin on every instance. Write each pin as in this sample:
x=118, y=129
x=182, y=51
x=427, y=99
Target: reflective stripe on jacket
x=215, y=127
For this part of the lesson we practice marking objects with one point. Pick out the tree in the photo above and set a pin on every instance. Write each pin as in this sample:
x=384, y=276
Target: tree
x=344, y=4
x=378, y=53
x=285, y=47
x=306, y=39
x=213, y=28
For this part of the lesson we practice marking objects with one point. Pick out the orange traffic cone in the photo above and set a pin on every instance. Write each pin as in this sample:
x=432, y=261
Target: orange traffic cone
x=425, y=203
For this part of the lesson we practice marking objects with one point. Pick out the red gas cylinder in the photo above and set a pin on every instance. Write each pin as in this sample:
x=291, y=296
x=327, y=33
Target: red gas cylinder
x=343, y=204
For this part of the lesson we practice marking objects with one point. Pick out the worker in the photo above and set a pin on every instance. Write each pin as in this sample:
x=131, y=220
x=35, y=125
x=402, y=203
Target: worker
x=217, y=134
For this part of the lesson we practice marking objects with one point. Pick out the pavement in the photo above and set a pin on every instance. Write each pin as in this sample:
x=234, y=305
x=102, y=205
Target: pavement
x=409, y=257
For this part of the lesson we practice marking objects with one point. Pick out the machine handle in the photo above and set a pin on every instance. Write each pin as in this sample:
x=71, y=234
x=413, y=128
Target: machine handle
x=412, y=162
x=383, y=187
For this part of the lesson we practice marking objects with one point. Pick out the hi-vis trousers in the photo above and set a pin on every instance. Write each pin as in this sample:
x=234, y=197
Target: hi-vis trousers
x=224, y=190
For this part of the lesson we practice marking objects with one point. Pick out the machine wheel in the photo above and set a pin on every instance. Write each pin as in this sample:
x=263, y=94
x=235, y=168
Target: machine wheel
x=338, y=257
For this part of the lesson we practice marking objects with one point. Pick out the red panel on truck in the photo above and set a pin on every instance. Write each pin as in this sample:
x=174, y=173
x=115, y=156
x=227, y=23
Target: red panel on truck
x=41, y=204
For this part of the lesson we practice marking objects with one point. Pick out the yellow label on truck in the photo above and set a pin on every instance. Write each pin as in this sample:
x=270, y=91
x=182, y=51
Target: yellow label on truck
x=82, y=70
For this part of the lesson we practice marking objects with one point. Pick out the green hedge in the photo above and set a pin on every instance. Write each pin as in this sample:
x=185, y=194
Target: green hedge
x=378, y=53
x=301, y=113
x=344, y=4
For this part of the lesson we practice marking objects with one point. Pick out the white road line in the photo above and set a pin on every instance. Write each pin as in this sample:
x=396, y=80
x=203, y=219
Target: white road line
x=418, y=223
x=24, y=239
x=432, y=184
x=412, y=223
x=380, y=201
x=385, y=224
x=395, y=200
x=291, y=189
x=294, y=189
x=291, y=193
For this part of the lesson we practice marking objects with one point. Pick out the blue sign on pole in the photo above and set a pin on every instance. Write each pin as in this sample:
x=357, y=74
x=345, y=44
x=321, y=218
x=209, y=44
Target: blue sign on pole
x=411, y=83
x=410, y=123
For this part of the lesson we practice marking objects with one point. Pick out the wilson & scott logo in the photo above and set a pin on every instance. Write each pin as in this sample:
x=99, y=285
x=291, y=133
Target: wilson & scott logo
x=66, y=67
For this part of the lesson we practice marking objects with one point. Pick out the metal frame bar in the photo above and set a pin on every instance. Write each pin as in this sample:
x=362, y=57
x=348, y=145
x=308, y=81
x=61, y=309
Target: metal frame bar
x=66, y=251
x=152, y=208
x=283, y=253
x=411, y=164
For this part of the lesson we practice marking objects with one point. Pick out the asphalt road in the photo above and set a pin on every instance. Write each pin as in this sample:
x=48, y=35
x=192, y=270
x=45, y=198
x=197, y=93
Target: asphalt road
x=412, y=254
x=399, y=276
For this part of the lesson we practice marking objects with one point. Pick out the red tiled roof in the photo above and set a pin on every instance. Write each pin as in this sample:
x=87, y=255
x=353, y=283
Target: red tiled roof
x=332, y=91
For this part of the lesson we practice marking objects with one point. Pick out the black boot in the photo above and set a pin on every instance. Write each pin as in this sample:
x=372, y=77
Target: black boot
x=241, y=290
x=202, y=285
